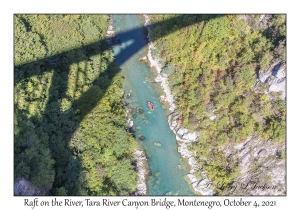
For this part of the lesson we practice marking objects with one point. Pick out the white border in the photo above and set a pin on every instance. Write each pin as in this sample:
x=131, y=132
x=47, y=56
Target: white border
x=8, y=201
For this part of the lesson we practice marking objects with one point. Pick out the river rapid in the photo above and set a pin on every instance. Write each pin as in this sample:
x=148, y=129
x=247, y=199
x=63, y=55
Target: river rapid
x=167, y=168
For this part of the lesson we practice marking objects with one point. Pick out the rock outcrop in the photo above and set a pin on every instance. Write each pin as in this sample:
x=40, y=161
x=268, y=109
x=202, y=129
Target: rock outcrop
x=275, y=77
x=142, y=172
x=25, y=188
x=263, y=169
x=257, y=158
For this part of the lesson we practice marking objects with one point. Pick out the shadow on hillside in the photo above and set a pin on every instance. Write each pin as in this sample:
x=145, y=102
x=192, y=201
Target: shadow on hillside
x=59, y=127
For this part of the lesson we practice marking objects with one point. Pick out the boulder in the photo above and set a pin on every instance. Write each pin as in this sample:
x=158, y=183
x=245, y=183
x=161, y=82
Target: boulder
x=142, y=138
x=157, y=144
x=144, y=59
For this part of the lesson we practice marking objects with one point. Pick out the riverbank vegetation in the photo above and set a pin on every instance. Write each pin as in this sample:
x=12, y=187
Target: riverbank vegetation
x=70, y=133
x=212, y=66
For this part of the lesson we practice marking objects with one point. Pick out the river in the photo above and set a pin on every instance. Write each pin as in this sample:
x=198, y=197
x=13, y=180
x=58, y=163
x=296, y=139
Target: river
x=167, y=168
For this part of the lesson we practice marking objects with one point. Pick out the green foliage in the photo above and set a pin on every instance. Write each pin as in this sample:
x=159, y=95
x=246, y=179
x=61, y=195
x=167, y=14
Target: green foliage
x=221, y=171
x=61, y=191
x=277, y=29
x=276, y=130
x=120, y=178
x=215, y=62
x=28, y=44
x=69, y=122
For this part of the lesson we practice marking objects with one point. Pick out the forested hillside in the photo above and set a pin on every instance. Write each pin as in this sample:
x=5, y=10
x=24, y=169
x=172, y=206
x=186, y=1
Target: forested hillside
x=212, y=67
x=70, y=134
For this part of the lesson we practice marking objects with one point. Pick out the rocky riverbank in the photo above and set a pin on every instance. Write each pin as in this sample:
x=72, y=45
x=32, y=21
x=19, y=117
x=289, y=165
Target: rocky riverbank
x=140, y=158
x=261, y=159
x=183, y=136
x=140, y=164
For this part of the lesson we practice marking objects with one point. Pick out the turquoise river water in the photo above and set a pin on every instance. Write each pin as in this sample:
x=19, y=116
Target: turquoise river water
x=167, y=168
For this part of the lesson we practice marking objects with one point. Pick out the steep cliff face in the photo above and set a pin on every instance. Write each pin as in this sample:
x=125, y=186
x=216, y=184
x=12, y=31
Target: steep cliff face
x=274, y=77
x=262, y=163
x=262, y=167
x=229, y=84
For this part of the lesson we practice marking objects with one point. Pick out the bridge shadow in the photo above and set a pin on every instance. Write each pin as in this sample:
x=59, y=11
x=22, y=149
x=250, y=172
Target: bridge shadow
x=60, y=65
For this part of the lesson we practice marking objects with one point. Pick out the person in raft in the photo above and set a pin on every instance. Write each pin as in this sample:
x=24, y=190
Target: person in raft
x=150, y=106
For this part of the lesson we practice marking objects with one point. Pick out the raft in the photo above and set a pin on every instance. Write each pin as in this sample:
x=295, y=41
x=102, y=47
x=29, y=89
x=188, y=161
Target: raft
x=150, y=106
